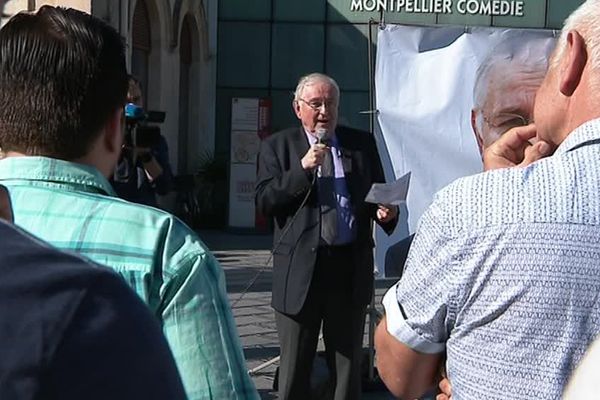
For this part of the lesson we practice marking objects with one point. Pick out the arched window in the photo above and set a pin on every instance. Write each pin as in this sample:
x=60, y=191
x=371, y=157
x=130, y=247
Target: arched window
x=141, y=46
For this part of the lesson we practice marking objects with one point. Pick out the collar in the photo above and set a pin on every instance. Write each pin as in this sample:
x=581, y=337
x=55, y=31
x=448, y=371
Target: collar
x=582, y=135
x=52, y=170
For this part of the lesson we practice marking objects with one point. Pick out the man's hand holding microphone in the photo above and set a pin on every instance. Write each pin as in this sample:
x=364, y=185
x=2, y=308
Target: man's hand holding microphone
x=316, y=153
x=314, y=156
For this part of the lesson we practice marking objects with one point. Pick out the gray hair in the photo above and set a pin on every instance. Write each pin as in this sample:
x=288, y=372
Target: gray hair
x=513, y=55
x=311, y=79
x=586, y=21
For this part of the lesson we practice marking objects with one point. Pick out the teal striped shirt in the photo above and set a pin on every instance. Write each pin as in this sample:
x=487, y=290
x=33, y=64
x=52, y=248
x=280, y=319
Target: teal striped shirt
x=73, y=207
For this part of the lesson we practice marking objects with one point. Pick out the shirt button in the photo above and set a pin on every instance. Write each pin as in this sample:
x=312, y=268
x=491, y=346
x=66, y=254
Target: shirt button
x=313, y=249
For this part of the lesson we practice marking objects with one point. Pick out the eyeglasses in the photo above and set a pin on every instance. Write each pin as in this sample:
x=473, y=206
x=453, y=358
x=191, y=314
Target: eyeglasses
x=318, y=104
x=502, y=122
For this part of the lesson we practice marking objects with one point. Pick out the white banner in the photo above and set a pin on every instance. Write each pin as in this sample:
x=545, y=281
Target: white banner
x=424, y=92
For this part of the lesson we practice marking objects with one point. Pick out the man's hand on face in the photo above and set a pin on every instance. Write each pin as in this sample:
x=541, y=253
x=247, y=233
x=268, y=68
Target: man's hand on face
x=514, y=149
x=5, y=208
x=314, y=156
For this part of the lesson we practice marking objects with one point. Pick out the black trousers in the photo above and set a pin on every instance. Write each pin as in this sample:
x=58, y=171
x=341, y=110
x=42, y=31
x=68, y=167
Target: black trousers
x=329, y=302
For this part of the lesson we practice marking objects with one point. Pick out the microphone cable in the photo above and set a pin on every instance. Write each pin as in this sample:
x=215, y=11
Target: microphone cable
x=321, y=133
x=283, y=234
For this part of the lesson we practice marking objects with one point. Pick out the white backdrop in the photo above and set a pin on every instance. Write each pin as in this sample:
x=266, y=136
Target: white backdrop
x=424, y=92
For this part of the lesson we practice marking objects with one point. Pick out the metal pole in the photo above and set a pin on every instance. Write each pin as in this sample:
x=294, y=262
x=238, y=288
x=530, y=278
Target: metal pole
x=371, y=311
x=371, y=79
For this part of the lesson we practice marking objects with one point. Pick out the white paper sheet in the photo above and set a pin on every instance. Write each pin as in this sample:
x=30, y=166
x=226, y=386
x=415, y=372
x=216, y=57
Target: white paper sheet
x=389, y=193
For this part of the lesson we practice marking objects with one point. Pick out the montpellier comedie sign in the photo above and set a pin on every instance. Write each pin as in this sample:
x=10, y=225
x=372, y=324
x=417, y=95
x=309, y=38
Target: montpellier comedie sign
x=472, y=7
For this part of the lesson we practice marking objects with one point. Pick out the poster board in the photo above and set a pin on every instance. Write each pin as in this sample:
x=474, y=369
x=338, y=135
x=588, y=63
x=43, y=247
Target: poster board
x=424, y=95
x=250, y=122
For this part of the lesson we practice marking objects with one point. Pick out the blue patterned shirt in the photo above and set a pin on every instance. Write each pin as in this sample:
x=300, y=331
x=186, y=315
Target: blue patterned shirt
x=504, y=274
x=73, y=207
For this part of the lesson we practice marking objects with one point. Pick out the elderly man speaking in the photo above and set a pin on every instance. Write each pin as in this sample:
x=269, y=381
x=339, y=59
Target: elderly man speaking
x=312, y=179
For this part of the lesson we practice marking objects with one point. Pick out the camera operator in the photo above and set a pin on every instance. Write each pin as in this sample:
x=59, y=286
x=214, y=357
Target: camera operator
x=143, y=170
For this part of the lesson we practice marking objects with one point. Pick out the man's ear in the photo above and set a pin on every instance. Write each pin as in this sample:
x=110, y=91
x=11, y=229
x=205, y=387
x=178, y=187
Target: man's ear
x=475, y=131
x=575, y=60
x=296, y=107
x=5, y=206
x=113, y=131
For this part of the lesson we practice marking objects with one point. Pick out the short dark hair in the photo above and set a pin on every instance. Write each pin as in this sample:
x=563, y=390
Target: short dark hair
x=62, y=76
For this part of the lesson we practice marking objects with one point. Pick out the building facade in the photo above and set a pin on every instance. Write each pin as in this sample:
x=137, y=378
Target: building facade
x=264, y=46
x=194, y=56
x=171, y=48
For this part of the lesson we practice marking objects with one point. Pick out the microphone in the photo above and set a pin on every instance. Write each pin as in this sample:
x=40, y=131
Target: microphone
x=321, y=134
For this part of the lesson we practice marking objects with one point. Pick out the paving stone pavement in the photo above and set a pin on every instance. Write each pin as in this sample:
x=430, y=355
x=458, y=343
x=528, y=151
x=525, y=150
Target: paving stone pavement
x=244, y=258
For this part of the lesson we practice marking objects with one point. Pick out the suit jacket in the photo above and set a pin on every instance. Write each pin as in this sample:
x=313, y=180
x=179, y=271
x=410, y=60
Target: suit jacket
x=281, y=187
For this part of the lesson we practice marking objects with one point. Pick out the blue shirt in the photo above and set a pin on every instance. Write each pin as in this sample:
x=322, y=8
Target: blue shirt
x=71, y=330
x=504, y=274
x=346, y=227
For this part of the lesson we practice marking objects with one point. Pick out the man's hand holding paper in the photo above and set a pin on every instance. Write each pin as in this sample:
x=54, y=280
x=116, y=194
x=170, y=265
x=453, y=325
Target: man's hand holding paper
x=387, y=212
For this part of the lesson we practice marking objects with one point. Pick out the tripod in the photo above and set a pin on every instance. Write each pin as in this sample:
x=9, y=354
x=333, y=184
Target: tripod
x=374, y=317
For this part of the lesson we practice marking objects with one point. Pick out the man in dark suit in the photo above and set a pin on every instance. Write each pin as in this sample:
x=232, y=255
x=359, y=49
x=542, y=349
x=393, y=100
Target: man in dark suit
x=313, y=181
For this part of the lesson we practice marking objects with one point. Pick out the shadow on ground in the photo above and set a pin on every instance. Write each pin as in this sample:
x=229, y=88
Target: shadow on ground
x=268, y=352
x=239, y=280
x=224, y=240
x=267, y=394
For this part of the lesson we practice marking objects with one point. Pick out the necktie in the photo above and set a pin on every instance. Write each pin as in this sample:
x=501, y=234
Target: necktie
x=327, y=199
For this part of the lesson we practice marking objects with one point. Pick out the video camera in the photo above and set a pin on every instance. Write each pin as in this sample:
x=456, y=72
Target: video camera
x=138, y=133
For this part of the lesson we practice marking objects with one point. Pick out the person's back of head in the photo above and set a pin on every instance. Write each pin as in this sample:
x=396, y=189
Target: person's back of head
x=569, y=95
x=63, y=76
x=586, y=21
